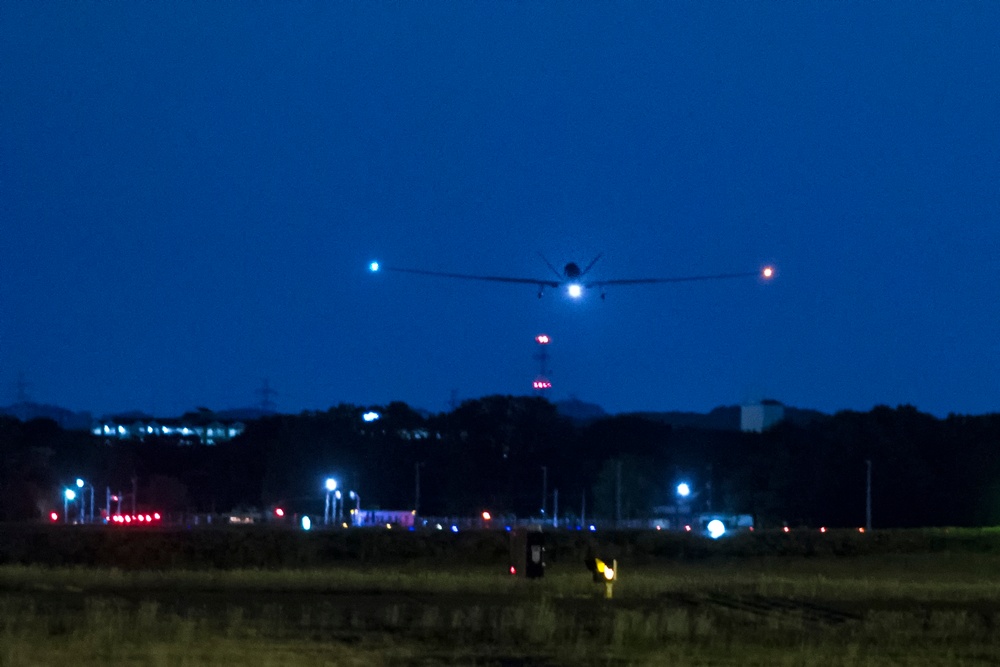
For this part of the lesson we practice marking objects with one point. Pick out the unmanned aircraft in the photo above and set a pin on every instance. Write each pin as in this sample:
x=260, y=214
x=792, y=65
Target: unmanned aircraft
x=572, y=277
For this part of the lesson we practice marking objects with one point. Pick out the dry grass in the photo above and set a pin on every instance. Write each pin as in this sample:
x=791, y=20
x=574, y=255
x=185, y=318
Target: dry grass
x=881, y=611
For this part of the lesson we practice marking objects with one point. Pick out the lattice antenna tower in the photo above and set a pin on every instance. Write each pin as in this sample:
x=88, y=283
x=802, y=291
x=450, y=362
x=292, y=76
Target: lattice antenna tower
x=541, y=384
x=21, y=388
x=267, y=406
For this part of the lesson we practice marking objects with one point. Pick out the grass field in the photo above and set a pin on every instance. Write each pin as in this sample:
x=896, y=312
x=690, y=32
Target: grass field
x=940, y=609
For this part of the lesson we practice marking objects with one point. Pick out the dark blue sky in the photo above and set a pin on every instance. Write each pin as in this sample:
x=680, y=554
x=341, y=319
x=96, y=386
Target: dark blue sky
x=190, y=194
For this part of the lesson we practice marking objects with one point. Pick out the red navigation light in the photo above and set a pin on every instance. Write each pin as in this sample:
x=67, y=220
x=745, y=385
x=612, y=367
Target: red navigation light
x=542, y=339
x=513, y=570
x=541, y=383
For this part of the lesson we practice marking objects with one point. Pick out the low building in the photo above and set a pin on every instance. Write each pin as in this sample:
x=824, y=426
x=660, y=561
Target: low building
x=383, y=518
x=185, y=433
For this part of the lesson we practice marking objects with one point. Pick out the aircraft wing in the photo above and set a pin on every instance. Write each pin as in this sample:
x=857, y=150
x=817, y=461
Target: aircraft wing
x=682, y=279
x=469, y=276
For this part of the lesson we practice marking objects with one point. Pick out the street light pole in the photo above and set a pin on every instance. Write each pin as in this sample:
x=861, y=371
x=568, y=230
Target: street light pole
x=357, y=508
x=82, y=485
x=618, y=493
x=868, y=495
x=68, y=495
x=416, y=490
x=545, y=488
x=330, y=486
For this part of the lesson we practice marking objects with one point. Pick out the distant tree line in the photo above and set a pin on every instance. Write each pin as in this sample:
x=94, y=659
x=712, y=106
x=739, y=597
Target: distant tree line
x=489, y=454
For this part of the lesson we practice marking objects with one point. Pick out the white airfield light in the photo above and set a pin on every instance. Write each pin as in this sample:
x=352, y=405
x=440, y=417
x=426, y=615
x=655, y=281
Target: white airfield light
x=373, y=267
x=575, y=290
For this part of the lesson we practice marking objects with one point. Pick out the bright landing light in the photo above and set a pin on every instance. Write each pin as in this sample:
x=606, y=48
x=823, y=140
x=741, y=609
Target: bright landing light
x=373, y=267
x=768, y=272
x=575, y=290
x=716, y=529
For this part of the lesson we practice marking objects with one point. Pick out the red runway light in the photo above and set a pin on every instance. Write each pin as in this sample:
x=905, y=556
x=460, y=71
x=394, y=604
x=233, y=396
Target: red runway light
x=53, y=516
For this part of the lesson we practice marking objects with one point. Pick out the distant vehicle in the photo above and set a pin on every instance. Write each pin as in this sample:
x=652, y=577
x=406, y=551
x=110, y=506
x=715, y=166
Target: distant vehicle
x=572, y=277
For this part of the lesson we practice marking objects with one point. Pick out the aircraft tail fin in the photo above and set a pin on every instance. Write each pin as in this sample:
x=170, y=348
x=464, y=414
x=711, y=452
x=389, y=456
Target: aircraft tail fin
x=591, y=265
x=549, y=264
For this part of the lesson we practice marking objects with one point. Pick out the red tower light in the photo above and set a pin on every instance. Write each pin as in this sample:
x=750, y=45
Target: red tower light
x=541, y=383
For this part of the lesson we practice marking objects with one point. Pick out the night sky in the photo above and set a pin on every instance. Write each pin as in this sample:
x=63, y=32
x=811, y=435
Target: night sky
x=191, y=192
